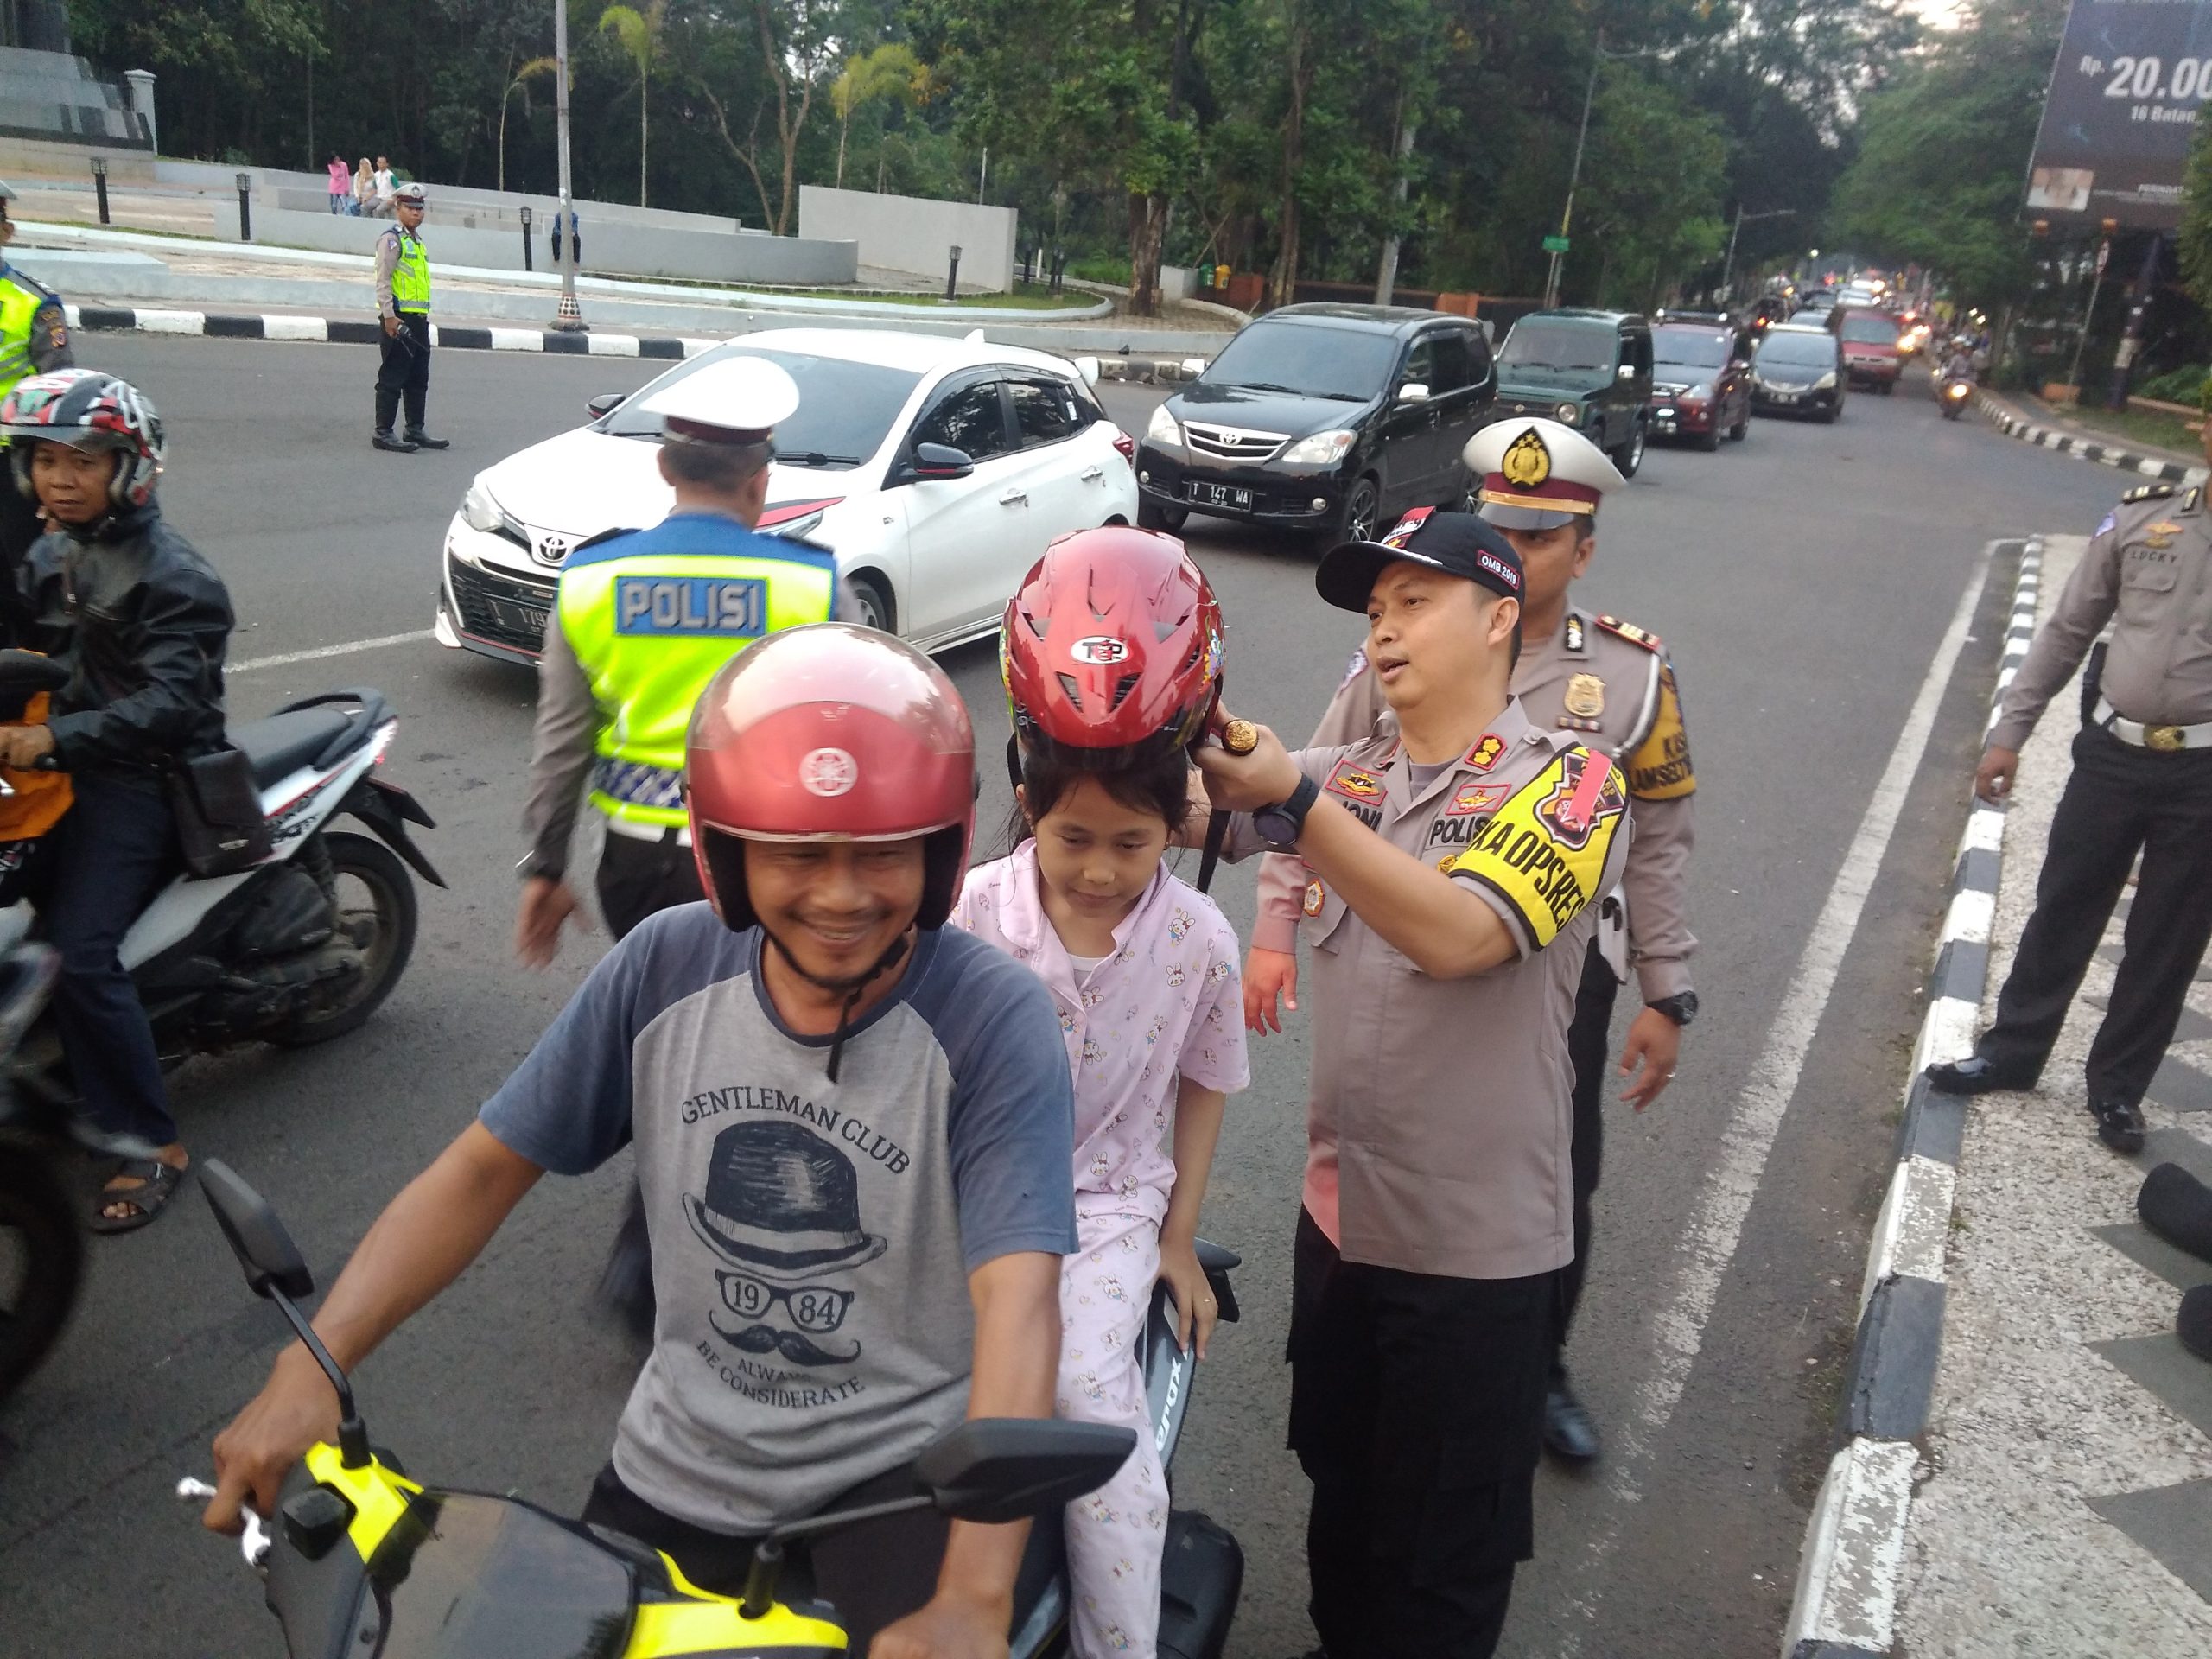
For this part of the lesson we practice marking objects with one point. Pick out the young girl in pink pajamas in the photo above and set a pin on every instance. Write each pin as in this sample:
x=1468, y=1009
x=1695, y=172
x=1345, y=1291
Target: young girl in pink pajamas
x=1144, y=968
x=1111, y=652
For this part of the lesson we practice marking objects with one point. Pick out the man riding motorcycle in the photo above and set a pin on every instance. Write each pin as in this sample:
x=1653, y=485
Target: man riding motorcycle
x=853, y=1129
x=144, y=622
x=1959, y=365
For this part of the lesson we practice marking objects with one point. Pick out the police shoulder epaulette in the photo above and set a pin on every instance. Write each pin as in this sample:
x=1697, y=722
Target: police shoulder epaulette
x=23, y=278
x=603, y=536
x=2147, y=493
x=1631, y=632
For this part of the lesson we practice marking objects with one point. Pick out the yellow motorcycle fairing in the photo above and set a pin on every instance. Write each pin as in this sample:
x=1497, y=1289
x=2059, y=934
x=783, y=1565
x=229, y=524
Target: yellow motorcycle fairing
x=667, y=1615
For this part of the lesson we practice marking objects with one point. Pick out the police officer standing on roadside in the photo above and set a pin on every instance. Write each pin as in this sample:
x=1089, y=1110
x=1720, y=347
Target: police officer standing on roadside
x=402, y=287
x=1610, y=683
x=33, y=338
x=2142, y=783
x=1456, y=863
x=642, y=618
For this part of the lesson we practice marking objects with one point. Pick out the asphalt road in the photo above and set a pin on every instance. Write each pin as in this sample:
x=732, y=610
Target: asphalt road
x=1805, y=581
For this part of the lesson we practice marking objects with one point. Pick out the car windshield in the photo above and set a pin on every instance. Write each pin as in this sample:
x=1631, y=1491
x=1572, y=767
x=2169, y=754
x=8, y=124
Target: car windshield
x=1689, y=348
x=1306, y=359
x=1869, y=328
x=1549, y=345
x=845, y=408
x=1797, y=351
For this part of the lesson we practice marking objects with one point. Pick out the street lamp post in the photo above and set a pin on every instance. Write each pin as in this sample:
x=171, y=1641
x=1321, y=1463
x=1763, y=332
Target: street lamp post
x=1597, y=59
x=569, y=318
x=1728, y=266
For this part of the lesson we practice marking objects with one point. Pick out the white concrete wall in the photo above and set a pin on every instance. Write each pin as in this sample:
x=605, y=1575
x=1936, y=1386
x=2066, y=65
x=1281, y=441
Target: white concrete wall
x=609, y=249
x=914, y=233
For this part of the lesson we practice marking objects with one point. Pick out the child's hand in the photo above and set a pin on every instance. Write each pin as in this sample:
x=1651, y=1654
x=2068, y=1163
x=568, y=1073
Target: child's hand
x=1195, y=1313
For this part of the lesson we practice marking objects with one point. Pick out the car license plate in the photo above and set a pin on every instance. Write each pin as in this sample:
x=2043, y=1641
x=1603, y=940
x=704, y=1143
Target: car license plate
x=1217, y=495
x=1785, y=396
x=519, y=619
x=1663, y=415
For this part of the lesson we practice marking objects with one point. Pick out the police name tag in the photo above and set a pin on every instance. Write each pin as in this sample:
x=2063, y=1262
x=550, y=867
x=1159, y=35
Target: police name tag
x=737, y=606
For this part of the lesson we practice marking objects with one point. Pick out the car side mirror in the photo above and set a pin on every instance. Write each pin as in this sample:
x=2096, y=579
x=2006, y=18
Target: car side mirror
x=993, y=1470
x=1413, y=391
x=606, y=403
x=935, y=462
x=254, y=1233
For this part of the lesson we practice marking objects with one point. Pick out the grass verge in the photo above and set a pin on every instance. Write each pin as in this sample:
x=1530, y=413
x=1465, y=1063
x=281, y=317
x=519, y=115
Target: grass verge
x=2146, y=426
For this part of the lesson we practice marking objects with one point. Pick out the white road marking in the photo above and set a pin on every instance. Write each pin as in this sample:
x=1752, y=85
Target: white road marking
x=1859, y=1526
x=1970, y=915
x=285, y=659
x=1914, y=1229
x=1716, y=1228
x=171, y=322
x=282, y=327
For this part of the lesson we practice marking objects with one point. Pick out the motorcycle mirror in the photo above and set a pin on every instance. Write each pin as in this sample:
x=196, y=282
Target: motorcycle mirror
x=254, y=1233
x=30, y=671
x=993, y=1470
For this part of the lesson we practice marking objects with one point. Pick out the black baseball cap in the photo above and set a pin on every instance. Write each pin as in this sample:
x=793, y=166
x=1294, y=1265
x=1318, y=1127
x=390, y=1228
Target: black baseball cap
x=1458, y=543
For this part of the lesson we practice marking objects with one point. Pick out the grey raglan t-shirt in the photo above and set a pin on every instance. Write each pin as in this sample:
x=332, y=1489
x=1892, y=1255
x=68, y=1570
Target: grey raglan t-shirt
x=811, y=1240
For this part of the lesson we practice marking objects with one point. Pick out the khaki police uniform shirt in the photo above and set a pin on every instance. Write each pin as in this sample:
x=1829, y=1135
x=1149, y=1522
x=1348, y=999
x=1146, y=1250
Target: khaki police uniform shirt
x=1610, y=683
x=1438, y=1126
x=2148, y=573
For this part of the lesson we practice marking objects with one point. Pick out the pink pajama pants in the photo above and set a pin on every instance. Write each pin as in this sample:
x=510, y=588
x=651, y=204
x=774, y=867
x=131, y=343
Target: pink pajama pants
x=1115, y=1536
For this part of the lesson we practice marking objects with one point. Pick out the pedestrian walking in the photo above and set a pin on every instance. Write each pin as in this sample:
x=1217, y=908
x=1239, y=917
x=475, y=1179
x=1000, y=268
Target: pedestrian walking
x=342, y=185
x=403, y=288
x=1456, y=866
x=2141, y=783
x=33, y=338
x=1611, y=682
x=365, y=190
x=641, y=621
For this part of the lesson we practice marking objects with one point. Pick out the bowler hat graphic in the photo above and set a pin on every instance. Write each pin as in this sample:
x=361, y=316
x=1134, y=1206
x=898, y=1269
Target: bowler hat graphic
x=782, y=1201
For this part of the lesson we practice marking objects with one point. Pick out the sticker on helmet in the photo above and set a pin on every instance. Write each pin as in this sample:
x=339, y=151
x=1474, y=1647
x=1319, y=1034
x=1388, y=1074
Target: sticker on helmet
x=1099, y=650
x=828, y=773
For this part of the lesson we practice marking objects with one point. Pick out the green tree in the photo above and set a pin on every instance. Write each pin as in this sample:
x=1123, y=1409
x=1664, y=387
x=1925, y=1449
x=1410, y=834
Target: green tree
x=638, y=36
x=519, y=82
x=891, y=71
x=2193, y=241
x=1654, y=179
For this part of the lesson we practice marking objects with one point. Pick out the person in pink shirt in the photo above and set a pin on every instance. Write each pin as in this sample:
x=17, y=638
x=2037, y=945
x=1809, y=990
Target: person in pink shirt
x=1143, y=967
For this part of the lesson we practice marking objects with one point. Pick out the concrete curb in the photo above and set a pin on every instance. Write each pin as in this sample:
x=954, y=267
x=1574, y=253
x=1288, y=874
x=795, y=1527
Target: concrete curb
x=1853, y=1563
x=356, y=331
x=2013, y=424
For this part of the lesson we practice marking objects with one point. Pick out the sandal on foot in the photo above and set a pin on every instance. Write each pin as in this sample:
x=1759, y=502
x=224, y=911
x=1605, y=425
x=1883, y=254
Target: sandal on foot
x=157, y=1184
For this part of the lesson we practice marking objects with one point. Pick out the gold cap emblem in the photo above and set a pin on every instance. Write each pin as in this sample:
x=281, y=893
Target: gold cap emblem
x=1527, y=462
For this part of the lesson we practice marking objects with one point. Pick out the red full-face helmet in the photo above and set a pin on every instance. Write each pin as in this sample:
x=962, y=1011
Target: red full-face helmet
x=1111, y=650
x=829, y=732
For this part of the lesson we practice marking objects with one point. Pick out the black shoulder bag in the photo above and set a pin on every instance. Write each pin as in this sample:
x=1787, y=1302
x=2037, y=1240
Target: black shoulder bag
x=217, y=810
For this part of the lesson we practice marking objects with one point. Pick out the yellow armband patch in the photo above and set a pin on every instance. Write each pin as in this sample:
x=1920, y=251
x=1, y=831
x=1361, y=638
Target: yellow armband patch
x=1659, y=770
x=1544, y=851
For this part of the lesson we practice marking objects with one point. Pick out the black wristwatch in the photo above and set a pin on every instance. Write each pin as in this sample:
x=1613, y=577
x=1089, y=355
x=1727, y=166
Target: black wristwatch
x=1282, y=824
x=1680, y=1008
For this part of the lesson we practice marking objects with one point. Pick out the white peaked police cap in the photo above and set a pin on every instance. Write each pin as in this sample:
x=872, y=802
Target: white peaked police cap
x=735, y=401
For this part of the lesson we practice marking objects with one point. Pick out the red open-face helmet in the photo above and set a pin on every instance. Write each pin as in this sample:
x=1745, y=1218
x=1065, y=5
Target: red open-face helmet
x=829, y=732
x=1111, y=650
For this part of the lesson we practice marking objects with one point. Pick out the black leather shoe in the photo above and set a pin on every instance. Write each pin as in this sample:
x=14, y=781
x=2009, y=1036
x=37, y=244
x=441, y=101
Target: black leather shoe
x=2194, y=1323
x=1570, y=1432
x=422, y=440
x=2120, y=1124
x=1978, y=1074
x=397, y=446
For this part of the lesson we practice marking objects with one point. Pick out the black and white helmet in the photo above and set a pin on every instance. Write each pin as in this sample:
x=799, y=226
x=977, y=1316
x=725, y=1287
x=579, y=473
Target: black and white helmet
x=87, y=409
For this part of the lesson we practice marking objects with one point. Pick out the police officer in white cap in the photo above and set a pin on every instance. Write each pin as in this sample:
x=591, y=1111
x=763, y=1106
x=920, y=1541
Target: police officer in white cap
x=641, y=621
x=1541, y=483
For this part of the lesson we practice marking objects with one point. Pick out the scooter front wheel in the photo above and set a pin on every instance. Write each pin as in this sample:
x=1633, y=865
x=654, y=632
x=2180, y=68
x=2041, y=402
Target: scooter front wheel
x=374, y=899
x=42, y=1260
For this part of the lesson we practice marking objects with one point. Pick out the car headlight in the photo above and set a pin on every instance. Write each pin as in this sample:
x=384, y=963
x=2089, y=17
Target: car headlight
x=1697, y=394
x=478, y=509
x=1163, y=431
x=1569, y=414
x=1826, y=382
x=1322, y=449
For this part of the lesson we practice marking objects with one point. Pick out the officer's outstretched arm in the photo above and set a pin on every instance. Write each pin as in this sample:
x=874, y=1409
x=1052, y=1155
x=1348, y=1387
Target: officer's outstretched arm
x=1445, y=928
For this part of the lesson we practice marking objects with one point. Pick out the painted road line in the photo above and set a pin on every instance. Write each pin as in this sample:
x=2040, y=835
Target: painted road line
x=1913, y=1227
x=1859, y=1519
x=285, y=659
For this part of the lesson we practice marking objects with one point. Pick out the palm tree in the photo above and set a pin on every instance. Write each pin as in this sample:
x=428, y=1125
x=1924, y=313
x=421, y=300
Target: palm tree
x=639, y=34
x=528, y=72
x=890, y=70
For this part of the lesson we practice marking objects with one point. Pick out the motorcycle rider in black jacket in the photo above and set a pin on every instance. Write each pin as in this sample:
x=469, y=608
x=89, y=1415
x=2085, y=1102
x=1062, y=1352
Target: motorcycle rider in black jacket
x=142, y=622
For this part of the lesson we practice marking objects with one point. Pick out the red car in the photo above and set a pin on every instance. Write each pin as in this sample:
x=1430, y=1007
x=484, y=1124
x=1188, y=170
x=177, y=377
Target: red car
x=1871, y=353
x=1701, y=382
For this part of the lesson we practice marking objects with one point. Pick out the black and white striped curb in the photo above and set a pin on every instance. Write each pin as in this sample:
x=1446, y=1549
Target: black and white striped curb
x=2013, y=424
x=357, y=331
x=1848, y=1580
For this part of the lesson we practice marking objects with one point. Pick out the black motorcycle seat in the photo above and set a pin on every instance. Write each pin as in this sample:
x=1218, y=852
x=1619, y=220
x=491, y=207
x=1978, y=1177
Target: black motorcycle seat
x=282, y=744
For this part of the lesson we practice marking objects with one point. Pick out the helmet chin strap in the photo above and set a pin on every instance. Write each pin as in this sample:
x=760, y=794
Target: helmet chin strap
x=850, y=988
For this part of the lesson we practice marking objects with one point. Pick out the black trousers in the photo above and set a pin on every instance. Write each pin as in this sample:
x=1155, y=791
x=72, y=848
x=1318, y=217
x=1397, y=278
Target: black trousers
x=874, y=1573
x=639, y=878
x=2120, y=800
x=1588, y=1045
x=404, y=372
x=20, y=526
x=91, y=876
x=1416, y=1410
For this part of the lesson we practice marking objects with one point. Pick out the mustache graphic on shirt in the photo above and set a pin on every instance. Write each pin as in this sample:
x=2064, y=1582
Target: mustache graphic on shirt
x=799, y=1349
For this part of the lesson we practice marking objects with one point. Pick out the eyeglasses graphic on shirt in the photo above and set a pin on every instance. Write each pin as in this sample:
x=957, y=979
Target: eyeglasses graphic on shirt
x=815, y=1308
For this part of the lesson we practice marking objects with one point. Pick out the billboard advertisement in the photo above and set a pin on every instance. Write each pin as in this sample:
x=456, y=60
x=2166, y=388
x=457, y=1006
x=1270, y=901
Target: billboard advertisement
x=2130, y=78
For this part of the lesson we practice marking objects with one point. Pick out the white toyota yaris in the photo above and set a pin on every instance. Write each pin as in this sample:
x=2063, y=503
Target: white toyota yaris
x=935, y=470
